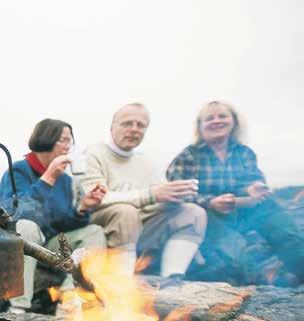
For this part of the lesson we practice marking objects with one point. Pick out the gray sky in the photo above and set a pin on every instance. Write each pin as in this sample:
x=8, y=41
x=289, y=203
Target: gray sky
x=81, y=60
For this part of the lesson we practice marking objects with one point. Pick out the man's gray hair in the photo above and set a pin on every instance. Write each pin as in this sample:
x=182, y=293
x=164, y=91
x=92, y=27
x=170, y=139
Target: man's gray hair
x=135, y=104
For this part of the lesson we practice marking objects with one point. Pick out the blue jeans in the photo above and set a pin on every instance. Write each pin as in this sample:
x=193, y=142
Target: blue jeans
x=282, y=228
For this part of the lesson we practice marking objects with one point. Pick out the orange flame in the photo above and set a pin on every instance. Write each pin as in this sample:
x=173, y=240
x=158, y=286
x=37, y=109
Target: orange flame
x=117, y=295
x=142, y=263
x=55, y=294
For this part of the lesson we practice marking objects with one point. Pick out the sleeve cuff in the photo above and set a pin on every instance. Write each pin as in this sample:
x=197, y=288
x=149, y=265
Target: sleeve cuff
x=43, y=186
x=147, y=197
x=204, y=200
x=152, y=197
x=81, y=213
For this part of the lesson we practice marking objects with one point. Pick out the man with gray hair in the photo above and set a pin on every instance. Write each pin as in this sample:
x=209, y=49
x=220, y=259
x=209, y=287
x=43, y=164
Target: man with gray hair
x=137, y=204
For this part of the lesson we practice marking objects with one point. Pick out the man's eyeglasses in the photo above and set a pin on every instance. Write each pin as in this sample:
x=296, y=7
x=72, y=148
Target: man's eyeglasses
x=130, y=124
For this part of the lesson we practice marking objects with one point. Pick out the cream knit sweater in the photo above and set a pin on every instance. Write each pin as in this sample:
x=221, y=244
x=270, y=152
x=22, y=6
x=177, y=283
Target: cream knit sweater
x=127, y=179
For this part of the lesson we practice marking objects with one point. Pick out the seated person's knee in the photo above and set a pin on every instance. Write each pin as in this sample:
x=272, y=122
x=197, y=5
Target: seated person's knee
x=124, y=226
x=29, y=231
x=198, y=215
x=127, y=211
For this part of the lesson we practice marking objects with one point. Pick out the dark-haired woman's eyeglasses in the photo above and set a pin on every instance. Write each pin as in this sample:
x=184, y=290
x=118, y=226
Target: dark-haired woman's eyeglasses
x=67, y=141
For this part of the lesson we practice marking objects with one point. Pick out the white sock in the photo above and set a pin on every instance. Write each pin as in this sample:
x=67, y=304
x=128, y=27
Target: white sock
x=177, y=256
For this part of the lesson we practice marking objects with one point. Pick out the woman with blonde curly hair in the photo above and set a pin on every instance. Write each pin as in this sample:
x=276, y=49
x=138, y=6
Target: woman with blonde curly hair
x=241, y=210
x=221, y=163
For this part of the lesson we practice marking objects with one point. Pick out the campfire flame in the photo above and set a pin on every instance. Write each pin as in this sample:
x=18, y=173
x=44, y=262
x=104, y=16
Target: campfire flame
x=117, y=296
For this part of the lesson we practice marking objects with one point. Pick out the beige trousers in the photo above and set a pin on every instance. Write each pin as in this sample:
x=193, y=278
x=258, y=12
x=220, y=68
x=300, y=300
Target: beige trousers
x=124, y=224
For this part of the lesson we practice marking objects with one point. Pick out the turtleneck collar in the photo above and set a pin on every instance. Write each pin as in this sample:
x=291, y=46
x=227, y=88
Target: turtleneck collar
x=35, y=163
x=120, y=152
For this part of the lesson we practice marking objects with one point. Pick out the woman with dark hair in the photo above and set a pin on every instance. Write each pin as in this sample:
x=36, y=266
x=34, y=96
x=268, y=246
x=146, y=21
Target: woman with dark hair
x=51, y=201
x=243, y=234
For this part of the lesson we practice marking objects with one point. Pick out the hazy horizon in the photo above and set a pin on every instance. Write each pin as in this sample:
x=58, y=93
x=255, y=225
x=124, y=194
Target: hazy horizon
x=81, y=61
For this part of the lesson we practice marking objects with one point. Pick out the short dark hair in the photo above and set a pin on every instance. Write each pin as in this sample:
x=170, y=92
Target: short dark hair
x=46, y=133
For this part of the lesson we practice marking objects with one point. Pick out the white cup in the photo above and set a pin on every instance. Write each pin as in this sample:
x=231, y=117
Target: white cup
x=78, y=164
x=194, y=184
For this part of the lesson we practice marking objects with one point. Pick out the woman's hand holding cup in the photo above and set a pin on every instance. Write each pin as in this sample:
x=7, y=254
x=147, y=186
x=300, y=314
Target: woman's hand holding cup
x=224, y=203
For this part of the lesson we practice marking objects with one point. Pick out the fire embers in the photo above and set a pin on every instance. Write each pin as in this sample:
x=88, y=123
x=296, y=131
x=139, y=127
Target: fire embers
x=107, y=293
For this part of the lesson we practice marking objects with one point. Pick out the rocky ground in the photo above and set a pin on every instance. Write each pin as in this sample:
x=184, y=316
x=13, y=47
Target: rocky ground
x=217, y=301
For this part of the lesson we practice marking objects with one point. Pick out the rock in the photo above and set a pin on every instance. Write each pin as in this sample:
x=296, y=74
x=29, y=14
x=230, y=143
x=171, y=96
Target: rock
x=215, y=301
x=208, y=300
x=276, y=304
x=248, y=317
x=25, y=317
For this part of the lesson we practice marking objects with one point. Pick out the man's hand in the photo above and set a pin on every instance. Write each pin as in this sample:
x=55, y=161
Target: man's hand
x=92, y=198
x=175, y=191
x=55, y=169
x=259, y=191
x=224, y=203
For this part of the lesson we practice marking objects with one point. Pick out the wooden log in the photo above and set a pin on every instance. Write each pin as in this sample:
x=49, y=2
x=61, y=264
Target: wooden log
x=212, y=301
x=216, y=302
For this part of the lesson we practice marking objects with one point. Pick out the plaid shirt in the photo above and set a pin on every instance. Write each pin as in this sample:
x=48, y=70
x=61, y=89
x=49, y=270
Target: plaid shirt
x=234, y=175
